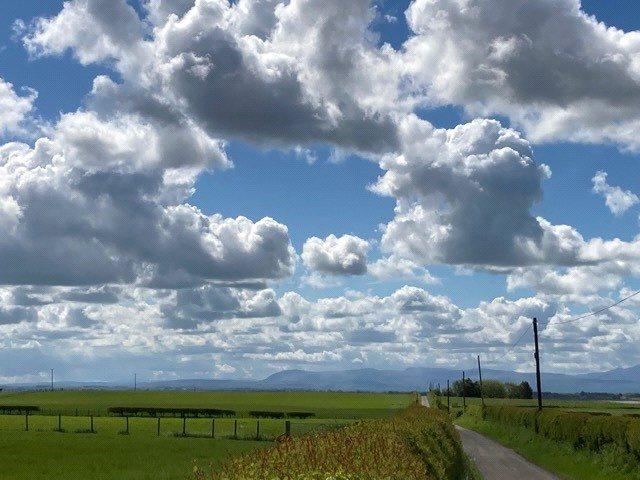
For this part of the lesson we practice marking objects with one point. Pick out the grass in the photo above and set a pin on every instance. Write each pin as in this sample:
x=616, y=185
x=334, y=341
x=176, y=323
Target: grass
x=48, y=455
x=74, y=453
x=147, y=427
x=615, y=408
x=558, y=457
x=323, y=404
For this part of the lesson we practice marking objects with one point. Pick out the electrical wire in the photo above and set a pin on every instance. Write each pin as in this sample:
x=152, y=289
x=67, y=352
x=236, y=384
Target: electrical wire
x=580, y=317
x=596, y=312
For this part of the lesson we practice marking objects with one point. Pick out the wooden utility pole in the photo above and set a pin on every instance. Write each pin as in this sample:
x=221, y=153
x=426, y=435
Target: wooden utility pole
x=480, y=377
x=448, y=401
x=464, y=398
x=537, y=357
x=135, y=382
x=52, y=379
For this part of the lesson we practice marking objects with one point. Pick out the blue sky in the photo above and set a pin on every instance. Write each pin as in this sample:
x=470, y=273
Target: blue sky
x=321, y=184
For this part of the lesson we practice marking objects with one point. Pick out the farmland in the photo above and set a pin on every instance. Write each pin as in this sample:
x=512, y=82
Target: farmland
x=605, y=406
x=51, y=455
x=113, y=451
x=322, y=404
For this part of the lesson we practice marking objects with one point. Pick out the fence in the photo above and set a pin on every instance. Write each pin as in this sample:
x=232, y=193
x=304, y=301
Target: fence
x=220, y=428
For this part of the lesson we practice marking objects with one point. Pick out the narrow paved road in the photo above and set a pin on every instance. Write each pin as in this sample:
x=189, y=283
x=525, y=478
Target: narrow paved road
x=496, y=462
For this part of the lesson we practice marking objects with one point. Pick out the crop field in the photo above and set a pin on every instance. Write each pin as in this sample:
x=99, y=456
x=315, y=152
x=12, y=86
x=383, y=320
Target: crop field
x=51, y=455
x=103, y=448
x=608, y=406
x=322, y=404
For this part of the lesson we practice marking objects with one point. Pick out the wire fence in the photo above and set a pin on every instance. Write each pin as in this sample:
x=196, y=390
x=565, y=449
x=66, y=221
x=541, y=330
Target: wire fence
x=220, y=428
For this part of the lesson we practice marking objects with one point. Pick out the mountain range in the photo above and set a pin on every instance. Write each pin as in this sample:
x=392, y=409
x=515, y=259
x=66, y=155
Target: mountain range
x=621, y=380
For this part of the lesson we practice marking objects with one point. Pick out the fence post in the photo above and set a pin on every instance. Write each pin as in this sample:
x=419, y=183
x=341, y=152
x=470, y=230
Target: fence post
x=26, y=422
x=257, y=429
x=287, y=427
x=91, y=417
x=213, y=428
x=59, y=422
x=184, y=426
x=127, y=421
x=158, y=426
x=235, y=429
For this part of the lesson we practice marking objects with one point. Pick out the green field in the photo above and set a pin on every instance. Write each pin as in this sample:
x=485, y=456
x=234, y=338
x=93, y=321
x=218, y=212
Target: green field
x=615, y=408
x=42, y=453
x=48, y=455
x=323, y=404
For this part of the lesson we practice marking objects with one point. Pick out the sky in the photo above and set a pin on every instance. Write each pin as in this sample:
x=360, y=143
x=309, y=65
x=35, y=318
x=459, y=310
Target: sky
x=220, y=189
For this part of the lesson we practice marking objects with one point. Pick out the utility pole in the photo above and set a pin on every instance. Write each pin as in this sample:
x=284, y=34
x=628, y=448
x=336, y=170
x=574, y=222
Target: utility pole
x=480, y=377
x=52, y=379
x=464, y=398
x=135, y=382
x=537, y=357
x=448, y=401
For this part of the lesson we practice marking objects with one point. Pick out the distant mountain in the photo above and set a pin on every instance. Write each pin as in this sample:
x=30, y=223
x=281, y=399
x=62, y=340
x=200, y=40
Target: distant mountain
x=621, y=380
x=615, y=381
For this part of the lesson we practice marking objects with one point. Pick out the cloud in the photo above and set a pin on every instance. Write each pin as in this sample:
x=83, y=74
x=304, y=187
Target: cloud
x=192, y=330
x=617, y=199
x=95, y=31
x=463, y=196
x=159, y=10
x=122, y=221
x=399, y=268
x=345, y=255
x=256, y=70
x=210, y=303
x=108, y=264
x=551, y=68
x=13, y=107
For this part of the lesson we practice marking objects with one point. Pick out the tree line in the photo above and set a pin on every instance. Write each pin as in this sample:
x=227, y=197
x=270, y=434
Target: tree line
x=490, y=389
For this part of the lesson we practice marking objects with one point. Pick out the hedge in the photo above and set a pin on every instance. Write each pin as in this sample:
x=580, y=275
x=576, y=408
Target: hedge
x=580, y=429
x=18, y=409
x=418, y=444
x=170, y=412
x=300, y=414
x=262, y=414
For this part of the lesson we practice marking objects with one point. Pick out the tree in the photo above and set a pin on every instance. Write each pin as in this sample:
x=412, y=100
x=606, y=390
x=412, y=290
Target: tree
x=493, y=389
x=471, y=388
x=525, y=390
x=513, y=390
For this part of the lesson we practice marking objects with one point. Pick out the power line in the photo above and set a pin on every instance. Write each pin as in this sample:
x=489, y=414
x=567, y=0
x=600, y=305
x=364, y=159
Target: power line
x=580, y=317
x=596, y=312
x=515, y=344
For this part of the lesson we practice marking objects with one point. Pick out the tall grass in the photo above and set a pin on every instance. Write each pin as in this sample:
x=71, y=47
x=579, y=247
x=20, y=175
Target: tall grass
x=419, y=444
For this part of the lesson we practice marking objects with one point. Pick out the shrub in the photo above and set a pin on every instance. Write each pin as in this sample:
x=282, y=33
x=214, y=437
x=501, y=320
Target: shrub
x=265, y=414
x=417, y=444
x=598, y=433
x=593, y=430
x=633, y=437
x=18, y=409
x=301, y=415
x=170, y=412
x=493, y=389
